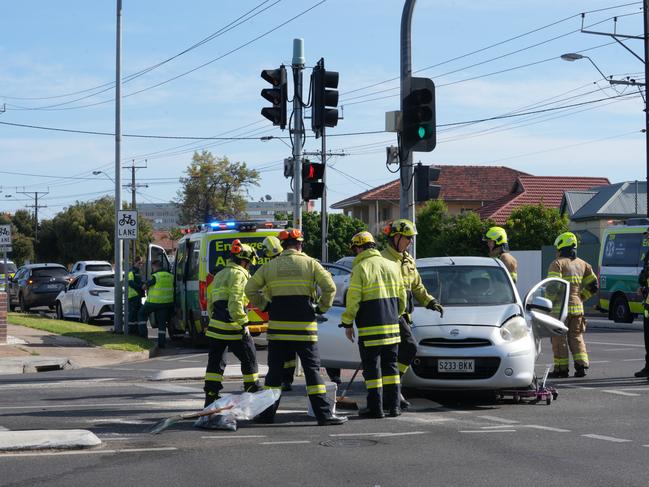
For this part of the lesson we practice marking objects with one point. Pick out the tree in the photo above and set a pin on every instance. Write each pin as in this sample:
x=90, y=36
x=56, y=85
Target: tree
x=341, y=230
x=214, y=188
x=174, y=234
x=22, y=244
x=532, y=226
x=23, y=222
x=85, y=231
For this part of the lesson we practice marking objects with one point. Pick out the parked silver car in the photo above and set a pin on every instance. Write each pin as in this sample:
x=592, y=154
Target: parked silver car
x=488, y=338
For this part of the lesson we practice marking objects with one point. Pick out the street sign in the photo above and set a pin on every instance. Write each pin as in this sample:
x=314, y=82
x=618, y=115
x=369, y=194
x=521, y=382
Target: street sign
x=127, y=224
x=5, y=238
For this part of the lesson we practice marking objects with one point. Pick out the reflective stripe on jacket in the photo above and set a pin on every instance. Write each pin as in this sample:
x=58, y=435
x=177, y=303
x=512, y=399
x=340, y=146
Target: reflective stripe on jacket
x=411, y=277
x=376, y=298
x=132, y=291
x=227, y=303
x=288, y=286
x=581, y=277
x=510, y=263
x=162, y=291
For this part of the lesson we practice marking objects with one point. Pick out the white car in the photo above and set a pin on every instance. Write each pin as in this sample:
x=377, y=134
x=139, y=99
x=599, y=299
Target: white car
x=340, y=275
x=91, y=266
x=88, y=296
x=488, y=338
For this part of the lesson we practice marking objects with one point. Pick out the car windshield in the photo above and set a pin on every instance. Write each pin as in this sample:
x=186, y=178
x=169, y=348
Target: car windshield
x=98, y=267
x=10, y=267
x=468, y=285
x=49, y=272
x=105, y=281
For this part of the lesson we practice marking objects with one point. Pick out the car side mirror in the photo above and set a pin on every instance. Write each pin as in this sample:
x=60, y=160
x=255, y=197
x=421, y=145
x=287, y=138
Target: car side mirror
x=540, y=303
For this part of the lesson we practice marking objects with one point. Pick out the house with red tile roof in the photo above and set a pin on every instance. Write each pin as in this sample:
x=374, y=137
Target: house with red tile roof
x=463, y=188
x=534, y=190
x=491, y=191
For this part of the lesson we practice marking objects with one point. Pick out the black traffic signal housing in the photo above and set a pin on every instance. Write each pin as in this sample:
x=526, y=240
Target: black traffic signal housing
x=424, y=176
x=325, y=98
x=277, y=95
x=312, y=184
x=418, y=131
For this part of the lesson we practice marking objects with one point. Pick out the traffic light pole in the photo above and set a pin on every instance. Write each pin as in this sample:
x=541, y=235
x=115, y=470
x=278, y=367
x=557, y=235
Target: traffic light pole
x=298, y=130
x=407, y=193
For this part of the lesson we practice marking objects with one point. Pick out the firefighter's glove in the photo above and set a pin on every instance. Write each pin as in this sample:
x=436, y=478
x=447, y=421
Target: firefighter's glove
x=435, y=306
x=318, y=311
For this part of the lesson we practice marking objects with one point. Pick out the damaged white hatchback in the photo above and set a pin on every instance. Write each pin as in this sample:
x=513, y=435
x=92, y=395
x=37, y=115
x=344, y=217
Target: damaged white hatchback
x=488, y=338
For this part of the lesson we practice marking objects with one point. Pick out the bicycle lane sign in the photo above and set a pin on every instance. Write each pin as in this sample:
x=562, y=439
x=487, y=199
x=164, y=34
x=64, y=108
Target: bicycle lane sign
x=127, y=224
x=5, y=238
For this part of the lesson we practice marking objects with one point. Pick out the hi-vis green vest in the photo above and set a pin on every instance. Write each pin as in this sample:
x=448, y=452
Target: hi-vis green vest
x=132, y=293
x=376, y=298
x=227, y=303
x=162, y=292
x=288, y=286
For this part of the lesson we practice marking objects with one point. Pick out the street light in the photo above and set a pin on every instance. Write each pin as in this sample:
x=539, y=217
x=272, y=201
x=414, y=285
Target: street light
x=573, y=56
x=97, y=173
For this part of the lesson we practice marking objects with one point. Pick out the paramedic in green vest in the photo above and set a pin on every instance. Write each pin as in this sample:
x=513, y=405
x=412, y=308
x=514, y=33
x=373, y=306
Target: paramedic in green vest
x=160, y=301
x=135, y=294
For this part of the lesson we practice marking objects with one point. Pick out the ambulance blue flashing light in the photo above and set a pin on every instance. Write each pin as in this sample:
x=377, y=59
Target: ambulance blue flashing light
x=222, y=225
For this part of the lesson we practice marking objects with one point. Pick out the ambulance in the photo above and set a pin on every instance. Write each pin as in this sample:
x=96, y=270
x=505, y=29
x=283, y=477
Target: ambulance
x=202, y=252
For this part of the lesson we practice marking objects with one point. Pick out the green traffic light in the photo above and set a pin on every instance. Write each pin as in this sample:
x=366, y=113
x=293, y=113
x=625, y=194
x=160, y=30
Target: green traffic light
x=421, y=132
x=424, y=132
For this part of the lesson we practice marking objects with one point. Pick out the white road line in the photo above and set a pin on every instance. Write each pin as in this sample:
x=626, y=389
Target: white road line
x=284, y=442
x=573, y=386
x=381, y=435
x=64, y=383
x=500, y=426
x=160, y=406
x=499, y=420
x=214, y=437
x=171, y=388
x=487, y=431
x=2, y=428
x=615, y=350
x=181, y=357
x=620, y=393
x=115, y=421
x=547, y=428
x=599, y=361
x=632, y=345
x=85, y=452
x=607, y=438
x=632, y=359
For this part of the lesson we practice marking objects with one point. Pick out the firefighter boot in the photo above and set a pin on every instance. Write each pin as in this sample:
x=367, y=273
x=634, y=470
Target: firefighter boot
x=403, y=403
x=332, y=420
x=210, y=397
x=580, y=370
x=559, y=374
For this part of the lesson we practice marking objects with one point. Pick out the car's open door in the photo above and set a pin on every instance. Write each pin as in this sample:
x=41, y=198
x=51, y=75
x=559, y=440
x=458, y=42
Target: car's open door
x=546, y=307
x=155, y=252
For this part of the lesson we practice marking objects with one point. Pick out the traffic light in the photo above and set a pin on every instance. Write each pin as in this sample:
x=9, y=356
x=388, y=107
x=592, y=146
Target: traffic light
x=312, y=185
x=418, y=132
x=277, y=95
x=325, y=98
x=424, y=190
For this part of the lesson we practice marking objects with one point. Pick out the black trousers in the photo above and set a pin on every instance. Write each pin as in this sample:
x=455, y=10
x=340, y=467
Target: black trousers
x=645, y=326
x=243, y=349
x=289, y=373
x=381, y=376
x=407, y=346
x=281, y=351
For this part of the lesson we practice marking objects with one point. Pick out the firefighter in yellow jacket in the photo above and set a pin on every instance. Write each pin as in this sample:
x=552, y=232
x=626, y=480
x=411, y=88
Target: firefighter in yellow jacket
x=228, y=323
x=496, y=238
x=583, y=284
x=400, y=234
x=376, y=299
x=288, y=292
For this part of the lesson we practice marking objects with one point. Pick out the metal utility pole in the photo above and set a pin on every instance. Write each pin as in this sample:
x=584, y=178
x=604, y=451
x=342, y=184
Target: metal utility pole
x=298, y=130
x=645, y=7
x=407, y=193
x=118, y=317
x=133, y=187
x=34, y=195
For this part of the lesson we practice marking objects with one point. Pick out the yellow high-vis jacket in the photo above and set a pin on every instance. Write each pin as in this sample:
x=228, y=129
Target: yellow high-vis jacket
x=288, y=286
x=376, y=298
x=227, y=303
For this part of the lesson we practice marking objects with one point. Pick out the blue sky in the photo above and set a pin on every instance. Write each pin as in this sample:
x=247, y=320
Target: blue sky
x=53, y=51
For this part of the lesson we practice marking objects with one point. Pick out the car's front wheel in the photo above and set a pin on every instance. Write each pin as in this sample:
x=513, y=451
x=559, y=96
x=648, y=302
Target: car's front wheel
x=21, y=302
x=59, y=311
x=620, y=311
x=84, y=316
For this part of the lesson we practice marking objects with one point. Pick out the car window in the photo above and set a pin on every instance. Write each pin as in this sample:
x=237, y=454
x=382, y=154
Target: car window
x=105, y=281
x=49, y=272
x=193, y=254
x=98, y=267
x=10, y=267
x=73, y=284
x=468, y=285
x=83, y=280
x=622, y=250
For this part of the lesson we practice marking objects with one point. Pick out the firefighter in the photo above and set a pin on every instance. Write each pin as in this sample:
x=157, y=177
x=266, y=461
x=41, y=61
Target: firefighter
x=583, y=284
x=496, y=238
x=376, y=299
x=135, y=294
x=228, y=323
x=160, y=301
x=400, y=234
x=286, y=288
x=643, y=290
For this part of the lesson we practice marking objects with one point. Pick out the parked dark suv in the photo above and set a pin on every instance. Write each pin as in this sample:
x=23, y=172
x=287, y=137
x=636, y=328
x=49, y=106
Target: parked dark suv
x=37, y=285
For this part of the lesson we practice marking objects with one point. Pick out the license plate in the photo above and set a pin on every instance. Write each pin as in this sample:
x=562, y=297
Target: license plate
x=456, y=366
x=52, y=286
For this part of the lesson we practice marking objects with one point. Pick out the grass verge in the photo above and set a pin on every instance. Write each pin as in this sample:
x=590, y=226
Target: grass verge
x=91, y=334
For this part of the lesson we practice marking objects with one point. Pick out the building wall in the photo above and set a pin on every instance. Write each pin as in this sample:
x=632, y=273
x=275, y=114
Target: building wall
x=163, y=216
x=596, y=227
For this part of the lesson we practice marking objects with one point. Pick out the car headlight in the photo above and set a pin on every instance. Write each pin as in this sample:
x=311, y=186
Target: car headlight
x=514, y=329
